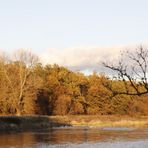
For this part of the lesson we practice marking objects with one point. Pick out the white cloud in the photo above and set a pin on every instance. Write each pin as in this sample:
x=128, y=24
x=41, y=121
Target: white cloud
x=84, y=58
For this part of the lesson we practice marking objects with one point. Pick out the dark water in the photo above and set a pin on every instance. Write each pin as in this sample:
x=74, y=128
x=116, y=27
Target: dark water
x=77, y=138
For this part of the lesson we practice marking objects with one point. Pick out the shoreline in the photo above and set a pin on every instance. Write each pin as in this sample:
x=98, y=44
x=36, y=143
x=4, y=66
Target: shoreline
x=35, y=122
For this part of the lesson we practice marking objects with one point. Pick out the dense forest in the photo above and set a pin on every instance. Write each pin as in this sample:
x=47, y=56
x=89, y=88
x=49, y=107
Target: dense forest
x=28, y=87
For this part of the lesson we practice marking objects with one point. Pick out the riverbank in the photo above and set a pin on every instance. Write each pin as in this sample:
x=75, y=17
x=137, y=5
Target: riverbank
x=27, y=123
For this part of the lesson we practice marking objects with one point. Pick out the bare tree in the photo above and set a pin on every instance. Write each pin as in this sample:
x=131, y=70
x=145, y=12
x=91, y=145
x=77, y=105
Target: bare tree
x=132, y=69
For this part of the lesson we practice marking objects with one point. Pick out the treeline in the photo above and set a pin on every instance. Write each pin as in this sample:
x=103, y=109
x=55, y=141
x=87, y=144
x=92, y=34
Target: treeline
x=28, y=87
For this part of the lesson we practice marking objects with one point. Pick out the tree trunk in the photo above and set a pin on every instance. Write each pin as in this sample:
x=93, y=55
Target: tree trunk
x=18, y=111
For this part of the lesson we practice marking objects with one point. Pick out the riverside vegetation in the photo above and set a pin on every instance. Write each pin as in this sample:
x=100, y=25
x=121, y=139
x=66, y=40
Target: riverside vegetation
x=27, y=87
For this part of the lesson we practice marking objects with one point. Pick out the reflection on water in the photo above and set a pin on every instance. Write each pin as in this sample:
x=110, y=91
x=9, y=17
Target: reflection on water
x=77, y=137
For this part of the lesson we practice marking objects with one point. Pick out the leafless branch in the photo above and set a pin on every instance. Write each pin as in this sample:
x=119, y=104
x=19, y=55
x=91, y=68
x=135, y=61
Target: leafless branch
x=133, y=73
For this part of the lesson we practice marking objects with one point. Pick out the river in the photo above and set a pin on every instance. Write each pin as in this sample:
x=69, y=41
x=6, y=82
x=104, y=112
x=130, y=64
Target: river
x=80, y=137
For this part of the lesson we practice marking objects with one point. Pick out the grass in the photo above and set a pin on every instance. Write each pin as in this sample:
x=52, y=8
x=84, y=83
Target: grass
x=108, y=121
x=103, y=121
x=122, y=123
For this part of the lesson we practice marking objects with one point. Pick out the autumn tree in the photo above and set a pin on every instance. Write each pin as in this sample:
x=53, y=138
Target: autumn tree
x=98, y=96
x=28, y=87
x=17, y=72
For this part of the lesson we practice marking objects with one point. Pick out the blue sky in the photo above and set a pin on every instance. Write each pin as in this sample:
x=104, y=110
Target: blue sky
x=64, y=24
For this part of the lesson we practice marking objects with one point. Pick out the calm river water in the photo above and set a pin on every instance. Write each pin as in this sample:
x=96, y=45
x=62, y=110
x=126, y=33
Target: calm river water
x=77, y=138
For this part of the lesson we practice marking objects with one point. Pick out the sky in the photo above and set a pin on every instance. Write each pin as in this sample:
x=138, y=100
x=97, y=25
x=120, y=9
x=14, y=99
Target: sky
x=73, y=33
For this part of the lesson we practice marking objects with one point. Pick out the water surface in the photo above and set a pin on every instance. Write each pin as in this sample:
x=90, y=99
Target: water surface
x=77, y=137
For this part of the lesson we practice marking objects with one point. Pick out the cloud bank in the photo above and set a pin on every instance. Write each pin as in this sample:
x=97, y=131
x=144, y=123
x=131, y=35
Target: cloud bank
x=82, y=58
